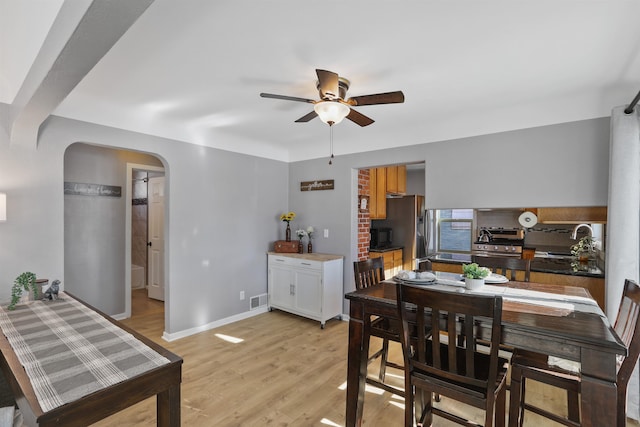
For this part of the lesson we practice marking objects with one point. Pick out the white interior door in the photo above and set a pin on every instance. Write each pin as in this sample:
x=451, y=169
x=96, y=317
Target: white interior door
x=155, y=244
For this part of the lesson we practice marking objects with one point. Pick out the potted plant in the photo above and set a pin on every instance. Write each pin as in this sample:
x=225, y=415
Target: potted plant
x=24, y=282
x=474, y=275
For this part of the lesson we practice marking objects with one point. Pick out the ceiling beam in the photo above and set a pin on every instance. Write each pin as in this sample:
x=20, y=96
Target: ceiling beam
x=82, y=33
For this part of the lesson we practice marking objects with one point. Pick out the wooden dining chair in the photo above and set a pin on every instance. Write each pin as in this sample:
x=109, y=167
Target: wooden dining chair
x=368, y=273
x=436, y=365
x=502, y=265
x=529, y=365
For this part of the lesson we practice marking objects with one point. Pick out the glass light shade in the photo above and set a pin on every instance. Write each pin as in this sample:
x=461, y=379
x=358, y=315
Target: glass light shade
x=3, y=207
x=331, y=112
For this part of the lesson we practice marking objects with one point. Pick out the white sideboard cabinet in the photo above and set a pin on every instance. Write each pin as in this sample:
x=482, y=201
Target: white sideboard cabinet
x=308, y=285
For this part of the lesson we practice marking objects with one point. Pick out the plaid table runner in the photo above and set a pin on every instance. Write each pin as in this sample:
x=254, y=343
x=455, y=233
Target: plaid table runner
x=563, y=303
x=69, y=351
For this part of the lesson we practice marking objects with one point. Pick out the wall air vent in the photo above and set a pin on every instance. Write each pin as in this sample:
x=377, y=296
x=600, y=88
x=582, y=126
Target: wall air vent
x=258, y=301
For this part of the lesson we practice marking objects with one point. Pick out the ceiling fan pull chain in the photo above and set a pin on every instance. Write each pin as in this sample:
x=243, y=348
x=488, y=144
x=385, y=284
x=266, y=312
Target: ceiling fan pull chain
x=331, y=143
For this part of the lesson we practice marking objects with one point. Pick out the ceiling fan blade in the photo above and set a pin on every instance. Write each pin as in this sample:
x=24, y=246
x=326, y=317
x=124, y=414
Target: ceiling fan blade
x=287, y=98
x=378, y=98
x=328, y=84
x=359, y=118
x=312, y=115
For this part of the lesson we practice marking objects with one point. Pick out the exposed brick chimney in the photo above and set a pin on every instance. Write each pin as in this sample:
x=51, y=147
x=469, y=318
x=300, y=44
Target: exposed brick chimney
x=364, y=219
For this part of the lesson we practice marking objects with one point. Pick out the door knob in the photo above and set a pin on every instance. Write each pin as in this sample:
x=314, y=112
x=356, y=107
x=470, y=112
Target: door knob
x=149, y=244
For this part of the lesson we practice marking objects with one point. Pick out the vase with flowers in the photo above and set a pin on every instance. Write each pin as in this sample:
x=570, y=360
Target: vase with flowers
x=585, y=249
x=288, y=217
x=300, y=233
x=310, y=232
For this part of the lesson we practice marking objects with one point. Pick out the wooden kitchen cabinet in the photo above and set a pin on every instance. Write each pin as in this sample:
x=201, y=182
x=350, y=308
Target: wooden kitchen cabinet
x=377, y=193
x=393, y=261
x=447, y=267
x=383, y=181
x=595, y=285
x=309, y=285
x=571, y=215
x=396, y=179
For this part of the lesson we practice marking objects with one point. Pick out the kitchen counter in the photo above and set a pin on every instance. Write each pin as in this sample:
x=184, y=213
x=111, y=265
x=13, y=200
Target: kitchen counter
x=388, y=249
x=565, y=265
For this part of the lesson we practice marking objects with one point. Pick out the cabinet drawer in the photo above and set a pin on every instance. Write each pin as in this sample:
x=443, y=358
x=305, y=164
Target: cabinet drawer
x=305, y=263
x=295, y=262
x=281, y=260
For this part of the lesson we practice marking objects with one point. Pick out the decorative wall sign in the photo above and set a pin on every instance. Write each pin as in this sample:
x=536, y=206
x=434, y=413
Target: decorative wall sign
x=325, y=184
x=81, y=189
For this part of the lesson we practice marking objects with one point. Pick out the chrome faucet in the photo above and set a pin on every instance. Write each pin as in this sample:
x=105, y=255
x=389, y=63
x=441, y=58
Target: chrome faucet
x=574, y=234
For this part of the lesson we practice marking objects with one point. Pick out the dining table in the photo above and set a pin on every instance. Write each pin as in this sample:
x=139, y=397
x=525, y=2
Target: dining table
x=560, y=321
x=68, y=364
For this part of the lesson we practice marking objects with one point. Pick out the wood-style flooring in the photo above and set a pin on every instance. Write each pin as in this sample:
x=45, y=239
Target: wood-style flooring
x=276, y=369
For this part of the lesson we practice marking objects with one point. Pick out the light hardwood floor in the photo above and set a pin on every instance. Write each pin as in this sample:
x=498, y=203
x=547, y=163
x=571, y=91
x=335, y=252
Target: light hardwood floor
x=275, y=369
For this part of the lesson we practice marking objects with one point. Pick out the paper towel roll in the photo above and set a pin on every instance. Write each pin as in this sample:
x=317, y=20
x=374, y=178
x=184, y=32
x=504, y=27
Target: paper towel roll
x=527, y=219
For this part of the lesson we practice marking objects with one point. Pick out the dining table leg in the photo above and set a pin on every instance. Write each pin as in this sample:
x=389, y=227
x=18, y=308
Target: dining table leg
x=356, y=365
x=598, y=388
x=168, y=407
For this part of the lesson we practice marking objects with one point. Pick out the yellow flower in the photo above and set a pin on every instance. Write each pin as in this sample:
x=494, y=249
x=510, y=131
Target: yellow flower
x=289, y=216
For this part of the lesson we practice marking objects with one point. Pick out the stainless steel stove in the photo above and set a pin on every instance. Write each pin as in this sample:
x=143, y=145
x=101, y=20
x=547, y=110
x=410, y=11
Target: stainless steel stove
x=502, y=242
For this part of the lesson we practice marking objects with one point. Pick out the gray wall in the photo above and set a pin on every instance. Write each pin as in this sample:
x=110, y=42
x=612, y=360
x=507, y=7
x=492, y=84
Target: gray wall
x=223, y=208
x=221, y=218
x=415, y=181
x=94, y=227
x=559, y=165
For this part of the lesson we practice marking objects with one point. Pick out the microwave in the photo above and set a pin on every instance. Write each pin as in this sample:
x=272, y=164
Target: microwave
x=381, y=237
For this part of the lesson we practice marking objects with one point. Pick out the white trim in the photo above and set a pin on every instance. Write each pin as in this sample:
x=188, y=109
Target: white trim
x=119, y=317
x=127, y=239
x=212, y=325
x=222, y=322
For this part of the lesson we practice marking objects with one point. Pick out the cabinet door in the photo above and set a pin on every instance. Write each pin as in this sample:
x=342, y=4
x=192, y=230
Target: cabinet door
x=594, y=214
x=308, y=291
x=392, y=179
x=381, y=193
x=402, y=179
x=398, y=263
x=450, y=268
x=280, y=286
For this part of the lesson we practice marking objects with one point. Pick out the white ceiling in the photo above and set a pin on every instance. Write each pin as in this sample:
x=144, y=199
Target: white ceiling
x=193, y=70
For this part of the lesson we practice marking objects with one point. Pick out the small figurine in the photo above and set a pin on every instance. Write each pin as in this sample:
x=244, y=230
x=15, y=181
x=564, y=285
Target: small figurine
x=52, y=292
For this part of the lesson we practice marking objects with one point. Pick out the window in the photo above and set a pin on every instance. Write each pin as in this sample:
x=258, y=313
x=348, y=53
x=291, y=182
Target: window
x=455, y=230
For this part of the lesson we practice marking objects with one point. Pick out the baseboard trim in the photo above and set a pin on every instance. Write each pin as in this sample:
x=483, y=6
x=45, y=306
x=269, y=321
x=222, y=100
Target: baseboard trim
x=192, y=331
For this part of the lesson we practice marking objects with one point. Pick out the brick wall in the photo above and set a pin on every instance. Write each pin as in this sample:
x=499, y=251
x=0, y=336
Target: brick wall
x=364, y=221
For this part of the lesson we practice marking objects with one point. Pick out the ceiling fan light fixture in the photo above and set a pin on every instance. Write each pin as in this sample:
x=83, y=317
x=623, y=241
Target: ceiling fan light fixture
x=331, y=112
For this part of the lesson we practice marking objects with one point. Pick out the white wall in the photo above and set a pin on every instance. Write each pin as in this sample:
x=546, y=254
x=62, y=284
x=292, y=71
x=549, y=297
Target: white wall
x=218, y=234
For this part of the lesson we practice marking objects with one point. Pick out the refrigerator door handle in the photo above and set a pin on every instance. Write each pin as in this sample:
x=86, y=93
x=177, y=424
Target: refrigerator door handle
x=427, y=231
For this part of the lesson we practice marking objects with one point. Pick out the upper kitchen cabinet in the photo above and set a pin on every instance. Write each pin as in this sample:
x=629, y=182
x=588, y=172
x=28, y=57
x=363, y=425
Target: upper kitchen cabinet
x=383, y=181
x=577, y=215
x=396, y=179
x=377, y=193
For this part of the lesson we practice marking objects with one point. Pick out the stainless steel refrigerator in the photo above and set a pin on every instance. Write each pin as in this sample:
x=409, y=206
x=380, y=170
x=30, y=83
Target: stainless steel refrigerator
x=406, y=217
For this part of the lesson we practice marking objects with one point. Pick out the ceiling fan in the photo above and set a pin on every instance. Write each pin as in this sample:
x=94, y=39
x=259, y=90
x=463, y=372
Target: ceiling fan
x=332, y=106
